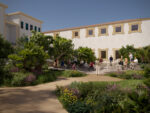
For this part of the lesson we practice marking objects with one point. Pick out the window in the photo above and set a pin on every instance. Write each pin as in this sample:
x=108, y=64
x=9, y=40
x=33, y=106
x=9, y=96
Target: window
x=76, y=34
x=90, y=32
x=135, y=27
x=31, y=27
x=35, y=28
x=103, y=31
x=117, y=54
x=118, y=29
x=56, y=34
x=22, y=24
x=27, y=26
x=39, y=29
x=103, y=53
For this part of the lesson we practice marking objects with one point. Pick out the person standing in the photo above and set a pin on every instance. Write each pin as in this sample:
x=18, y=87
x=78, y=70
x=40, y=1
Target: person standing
x=100, y=62
x=121, y=63
x=74, y=66
x=97, y=67
x=62, y=64
x=135, y=62
x=111, y=60
x=91, y=66
x=131, y=56
x=126, y=63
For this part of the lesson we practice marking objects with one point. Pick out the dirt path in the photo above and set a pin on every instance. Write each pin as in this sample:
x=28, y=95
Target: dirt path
x=40, y=98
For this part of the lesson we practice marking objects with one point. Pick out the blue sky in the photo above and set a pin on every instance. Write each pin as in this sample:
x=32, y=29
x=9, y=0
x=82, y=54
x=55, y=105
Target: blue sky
x=58, y=14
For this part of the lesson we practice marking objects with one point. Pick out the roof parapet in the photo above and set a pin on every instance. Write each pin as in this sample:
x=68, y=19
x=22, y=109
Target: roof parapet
x=4, y=6
x=21, y=13
x=97, y=25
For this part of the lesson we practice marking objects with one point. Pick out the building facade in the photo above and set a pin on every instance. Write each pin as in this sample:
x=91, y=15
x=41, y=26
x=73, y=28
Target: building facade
x=17, y=24
x=107, y=38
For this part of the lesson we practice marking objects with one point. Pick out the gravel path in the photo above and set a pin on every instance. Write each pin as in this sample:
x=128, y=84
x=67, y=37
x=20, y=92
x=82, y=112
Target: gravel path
x=40, y=98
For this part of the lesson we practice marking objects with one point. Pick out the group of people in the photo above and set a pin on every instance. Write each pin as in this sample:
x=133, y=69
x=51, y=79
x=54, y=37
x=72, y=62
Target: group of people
x=125, y=64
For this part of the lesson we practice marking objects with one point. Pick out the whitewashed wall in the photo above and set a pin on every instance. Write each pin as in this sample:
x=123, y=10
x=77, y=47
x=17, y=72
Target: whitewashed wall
x=29, y=21
x=2, y=21
x=23, y=32
x=111, y=41
x=11, y=33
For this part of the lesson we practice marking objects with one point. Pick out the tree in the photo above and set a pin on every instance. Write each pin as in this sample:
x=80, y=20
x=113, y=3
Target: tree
x=85, y=54
x=20, y=42
x=124, y=51
x=143, y=54
x=63, y=48
x=31, y=57
x=5, y=49
x=45, y=41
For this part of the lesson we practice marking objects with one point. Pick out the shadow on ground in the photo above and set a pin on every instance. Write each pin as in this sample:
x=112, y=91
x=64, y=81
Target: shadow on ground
x=27, y=101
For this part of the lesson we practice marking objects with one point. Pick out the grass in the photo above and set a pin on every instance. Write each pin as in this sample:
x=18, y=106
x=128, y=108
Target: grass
x=129, y=74
x=72, y=73
x=123, y=84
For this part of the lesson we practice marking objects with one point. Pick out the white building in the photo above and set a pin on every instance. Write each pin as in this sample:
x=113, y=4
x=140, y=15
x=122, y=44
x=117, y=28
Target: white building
x=17, y=24
x=105, y=39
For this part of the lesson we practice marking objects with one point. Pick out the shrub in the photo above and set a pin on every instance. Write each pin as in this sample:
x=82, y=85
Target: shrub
x=70, y=73
x=5, y=49
x=147, y=82
x=29, y=79
x=14, y=69
x=113, y=74
x=68, y=98
x=86, y=54
x=109, y=102
x=18, y=79
x=144, y=65
x=103, y=97
x=147, y=72
x=79, y=107
x=45, y=77
x=138, y=102
x=29, y=58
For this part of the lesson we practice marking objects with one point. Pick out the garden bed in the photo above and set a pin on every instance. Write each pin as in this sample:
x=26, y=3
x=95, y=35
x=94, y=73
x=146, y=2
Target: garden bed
x=23, y=78
x=104, y=97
